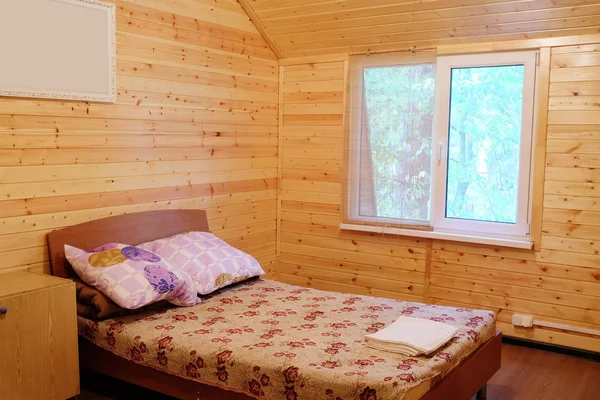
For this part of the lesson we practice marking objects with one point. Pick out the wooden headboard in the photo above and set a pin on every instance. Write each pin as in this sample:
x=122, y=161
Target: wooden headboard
x=130, y=229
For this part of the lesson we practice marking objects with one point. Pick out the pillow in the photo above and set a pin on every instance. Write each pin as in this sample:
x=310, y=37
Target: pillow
x=132, y=277
x=210, y=261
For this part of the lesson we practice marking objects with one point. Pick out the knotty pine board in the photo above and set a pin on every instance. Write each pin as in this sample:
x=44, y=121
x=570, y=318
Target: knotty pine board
x=318, y=27
x=195, y=125
x=314, y=251
x=560, y=283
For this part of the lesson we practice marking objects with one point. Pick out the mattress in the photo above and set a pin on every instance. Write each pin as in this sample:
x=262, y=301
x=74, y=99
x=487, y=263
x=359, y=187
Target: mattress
x=271, y=340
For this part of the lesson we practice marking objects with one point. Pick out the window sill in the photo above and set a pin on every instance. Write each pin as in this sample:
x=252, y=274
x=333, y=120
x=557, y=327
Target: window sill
x=452, y=236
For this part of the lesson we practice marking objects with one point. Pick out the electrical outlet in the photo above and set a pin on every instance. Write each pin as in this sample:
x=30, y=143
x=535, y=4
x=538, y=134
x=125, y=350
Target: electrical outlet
x=522, y=320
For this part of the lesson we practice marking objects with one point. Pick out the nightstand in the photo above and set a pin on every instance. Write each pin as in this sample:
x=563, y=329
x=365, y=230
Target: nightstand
x=38, y=337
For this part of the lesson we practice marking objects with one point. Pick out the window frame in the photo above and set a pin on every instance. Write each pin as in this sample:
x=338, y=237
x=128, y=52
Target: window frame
x=353, y=122
x=351, y=220
x=445, y=64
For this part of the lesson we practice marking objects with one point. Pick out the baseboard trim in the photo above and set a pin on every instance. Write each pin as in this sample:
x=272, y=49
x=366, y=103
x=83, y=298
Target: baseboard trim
x=588, y=355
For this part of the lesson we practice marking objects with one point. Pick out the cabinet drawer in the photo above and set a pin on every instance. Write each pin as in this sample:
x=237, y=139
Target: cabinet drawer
x=38, y=345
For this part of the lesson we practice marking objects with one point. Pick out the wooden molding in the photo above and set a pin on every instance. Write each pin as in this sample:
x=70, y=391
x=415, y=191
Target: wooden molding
x=314, y=59
x=346, y=144
x=539, y=161
x=520, y=44
x=260, y=27
x=279, y=173
x=428, y=256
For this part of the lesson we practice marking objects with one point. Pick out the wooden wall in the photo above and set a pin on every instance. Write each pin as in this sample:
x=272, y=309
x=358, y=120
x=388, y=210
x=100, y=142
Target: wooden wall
x=313, y=250
x=195, y=126
x=560, y=283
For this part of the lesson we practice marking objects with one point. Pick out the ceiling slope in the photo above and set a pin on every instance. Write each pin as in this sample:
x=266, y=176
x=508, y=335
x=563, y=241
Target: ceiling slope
x=297, y=28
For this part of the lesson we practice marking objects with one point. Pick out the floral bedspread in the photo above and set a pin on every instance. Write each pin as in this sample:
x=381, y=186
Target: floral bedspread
x=271, y=340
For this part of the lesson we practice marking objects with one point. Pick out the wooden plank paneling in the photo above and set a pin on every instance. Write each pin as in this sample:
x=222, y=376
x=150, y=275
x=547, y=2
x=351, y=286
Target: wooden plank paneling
x=314, y=251
x=319, y=27
x=195, y=125
x=560, y=283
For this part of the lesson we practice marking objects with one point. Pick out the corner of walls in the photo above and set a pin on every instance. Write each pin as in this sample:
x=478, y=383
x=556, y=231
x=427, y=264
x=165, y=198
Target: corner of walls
x=260, y=27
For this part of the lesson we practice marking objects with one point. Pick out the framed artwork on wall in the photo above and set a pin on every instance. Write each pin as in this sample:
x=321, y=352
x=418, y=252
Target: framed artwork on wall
x=58, y=49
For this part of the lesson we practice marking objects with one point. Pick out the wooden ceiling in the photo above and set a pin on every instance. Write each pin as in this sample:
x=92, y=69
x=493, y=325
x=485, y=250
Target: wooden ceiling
x=316, y=27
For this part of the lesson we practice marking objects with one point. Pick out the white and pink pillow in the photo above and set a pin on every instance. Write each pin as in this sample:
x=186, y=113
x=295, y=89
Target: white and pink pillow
x=210, y=261
x=132, y=277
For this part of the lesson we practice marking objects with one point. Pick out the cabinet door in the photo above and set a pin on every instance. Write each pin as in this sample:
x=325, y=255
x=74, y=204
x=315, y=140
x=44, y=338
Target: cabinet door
x=38, y=345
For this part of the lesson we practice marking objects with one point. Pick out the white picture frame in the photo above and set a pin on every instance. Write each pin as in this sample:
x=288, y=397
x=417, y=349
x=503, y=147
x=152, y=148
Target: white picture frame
x=58, y=49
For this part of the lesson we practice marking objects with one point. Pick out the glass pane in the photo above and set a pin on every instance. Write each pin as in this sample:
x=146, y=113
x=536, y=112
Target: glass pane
x=486, y=104
x=398, y=127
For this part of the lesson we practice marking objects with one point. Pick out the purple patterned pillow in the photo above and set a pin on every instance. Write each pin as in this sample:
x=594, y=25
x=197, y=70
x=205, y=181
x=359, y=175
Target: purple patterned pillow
x=210, y=261
x=132, y=277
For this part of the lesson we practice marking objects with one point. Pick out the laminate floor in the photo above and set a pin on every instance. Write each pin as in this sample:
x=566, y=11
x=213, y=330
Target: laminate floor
x=530, y=374
x=526, y=374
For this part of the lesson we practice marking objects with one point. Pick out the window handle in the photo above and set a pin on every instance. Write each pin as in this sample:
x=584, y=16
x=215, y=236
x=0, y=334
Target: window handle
x=440, y=149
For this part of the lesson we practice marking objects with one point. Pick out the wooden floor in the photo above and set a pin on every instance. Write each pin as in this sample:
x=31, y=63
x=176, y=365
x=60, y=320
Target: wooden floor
x=526, y=374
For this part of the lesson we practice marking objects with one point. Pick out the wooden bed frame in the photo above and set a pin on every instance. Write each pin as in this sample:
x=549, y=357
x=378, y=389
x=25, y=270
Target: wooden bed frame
x=470, y=377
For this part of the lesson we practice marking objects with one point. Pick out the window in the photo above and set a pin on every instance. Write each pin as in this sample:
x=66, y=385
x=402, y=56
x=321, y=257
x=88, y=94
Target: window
x=442, y=143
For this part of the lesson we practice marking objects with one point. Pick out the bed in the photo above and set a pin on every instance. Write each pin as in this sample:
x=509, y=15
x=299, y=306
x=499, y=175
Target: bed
x=266, y=339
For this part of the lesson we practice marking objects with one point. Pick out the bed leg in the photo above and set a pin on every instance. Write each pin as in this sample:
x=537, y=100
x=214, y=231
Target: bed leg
x=482, y=393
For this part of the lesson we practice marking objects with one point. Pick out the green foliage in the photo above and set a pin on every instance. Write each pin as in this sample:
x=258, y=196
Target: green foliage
x=400, y=104
x=483, y=146
x=484, y=143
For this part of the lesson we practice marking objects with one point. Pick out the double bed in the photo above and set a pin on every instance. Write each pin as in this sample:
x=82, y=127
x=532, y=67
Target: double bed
x=269, y=340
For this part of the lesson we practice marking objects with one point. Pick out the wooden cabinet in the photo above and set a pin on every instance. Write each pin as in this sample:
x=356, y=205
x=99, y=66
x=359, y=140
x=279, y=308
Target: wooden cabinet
x=38, y=337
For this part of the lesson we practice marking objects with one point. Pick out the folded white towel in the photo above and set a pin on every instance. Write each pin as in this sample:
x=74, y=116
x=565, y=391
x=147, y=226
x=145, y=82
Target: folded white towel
x=394, y=348
x=412, y=336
